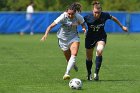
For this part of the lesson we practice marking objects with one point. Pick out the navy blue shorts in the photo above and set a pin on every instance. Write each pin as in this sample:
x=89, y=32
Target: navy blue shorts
x=91, y=42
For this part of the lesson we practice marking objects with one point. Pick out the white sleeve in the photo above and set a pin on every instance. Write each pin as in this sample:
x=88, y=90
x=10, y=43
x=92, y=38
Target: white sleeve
x=59, y=19
x=80, y=18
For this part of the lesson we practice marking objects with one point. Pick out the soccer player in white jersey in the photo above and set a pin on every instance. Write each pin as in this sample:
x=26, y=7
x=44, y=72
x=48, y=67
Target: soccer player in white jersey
x=69, y=40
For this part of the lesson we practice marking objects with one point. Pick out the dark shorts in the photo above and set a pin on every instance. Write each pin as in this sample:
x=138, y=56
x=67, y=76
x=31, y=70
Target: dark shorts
x=91, y=42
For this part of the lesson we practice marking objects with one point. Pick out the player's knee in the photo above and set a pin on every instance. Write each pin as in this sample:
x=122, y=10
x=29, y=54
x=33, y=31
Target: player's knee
x=99, y=50
x=89, y=57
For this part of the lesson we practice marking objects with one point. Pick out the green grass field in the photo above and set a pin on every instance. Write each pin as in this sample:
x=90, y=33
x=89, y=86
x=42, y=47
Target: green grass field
x=30, y=66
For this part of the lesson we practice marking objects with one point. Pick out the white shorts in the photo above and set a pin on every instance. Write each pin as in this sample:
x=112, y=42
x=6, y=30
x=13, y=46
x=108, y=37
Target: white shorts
x=65, y=45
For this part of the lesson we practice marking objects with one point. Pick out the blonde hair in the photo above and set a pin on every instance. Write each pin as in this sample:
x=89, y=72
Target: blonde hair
x=97, y=4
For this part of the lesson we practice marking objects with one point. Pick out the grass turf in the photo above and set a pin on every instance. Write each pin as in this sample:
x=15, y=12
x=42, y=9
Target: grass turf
x=30, y=66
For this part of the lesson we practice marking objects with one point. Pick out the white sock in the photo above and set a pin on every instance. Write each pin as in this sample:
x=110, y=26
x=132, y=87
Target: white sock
x=70, y=64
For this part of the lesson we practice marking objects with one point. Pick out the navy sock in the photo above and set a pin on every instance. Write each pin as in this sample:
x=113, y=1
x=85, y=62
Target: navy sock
x=98, y=62
x=89, y=66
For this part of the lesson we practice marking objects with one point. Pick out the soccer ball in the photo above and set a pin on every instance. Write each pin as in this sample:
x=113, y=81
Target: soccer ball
x=75, y=83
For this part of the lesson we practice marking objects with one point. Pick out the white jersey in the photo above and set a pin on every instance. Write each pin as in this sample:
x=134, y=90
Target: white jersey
x=29, y=11
x=68, y=29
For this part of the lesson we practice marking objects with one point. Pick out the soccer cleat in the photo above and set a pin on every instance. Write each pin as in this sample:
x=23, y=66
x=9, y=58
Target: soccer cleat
x=89, y=77
x=66, y=77
x=96, y=77
x=75, y=68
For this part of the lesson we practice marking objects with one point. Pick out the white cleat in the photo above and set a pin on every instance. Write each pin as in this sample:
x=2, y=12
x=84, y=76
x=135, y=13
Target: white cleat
x=96, y=77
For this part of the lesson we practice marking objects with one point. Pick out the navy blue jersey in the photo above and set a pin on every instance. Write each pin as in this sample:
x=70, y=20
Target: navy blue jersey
x=96, y=26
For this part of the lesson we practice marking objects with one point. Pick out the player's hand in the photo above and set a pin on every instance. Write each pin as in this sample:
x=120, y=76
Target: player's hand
x=43, y=38
x=124, y=28
x=84, y=30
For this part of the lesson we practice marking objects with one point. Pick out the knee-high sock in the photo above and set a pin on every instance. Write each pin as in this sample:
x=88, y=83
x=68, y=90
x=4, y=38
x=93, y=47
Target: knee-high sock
x=98, y=62
x=70, y=64
x=89, y=66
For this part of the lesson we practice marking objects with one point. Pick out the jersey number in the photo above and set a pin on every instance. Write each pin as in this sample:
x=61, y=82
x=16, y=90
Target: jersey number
x=96, y=28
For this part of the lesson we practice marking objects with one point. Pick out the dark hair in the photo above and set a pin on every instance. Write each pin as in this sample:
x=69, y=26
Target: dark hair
x=75, y=6
x=31, y=2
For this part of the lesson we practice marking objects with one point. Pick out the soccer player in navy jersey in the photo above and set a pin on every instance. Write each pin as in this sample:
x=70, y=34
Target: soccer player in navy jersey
x=68, y=37
x=96, y=37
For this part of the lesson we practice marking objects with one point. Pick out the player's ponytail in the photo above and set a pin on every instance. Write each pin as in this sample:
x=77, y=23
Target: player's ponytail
x=77, y=6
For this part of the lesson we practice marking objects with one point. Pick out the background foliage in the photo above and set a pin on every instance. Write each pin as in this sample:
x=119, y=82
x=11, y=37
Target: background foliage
x=60, y=5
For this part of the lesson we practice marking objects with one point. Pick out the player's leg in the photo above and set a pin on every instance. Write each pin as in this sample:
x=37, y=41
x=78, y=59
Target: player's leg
x=67, y=53
x=73, y=46
x=26, y=28
x=89, y=56
x=89, y=45
x=31, y=27
x=74, y=50
x=98, y=61
x=67, y=56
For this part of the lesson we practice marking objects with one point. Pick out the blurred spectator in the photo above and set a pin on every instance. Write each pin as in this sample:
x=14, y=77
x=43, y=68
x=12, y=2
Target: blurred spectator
x=29, y=18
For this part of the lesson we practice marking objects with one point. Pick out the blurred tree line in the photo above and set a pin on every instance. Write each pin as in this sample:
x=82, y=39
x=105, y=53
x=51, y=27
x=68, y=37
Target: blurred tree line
x=61, y=5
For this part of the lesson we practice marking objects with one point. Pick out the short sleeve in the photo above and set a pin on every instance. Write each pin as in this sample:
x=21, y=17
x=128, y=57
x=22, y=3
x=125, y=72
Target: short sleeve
x=60, y=18
x=80, y=18
x=108, y=16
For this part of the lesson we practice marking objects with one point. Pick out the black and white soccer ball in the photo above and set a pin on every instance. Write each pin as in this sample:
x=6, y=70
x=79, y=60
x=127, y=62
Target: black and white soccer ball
x=75, y=83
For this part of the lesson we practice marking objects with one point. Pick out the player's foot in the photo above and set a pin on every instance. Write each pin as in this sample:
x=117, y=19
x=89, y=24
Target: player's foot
x=66, y=77
x=75, y=68
x=96, y=77
x=89, y=77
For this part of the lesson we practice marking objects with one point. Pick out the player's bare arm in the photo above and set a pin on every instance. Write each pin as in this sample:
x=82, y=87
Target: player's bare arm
x=47, y=31
x=118, y=22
